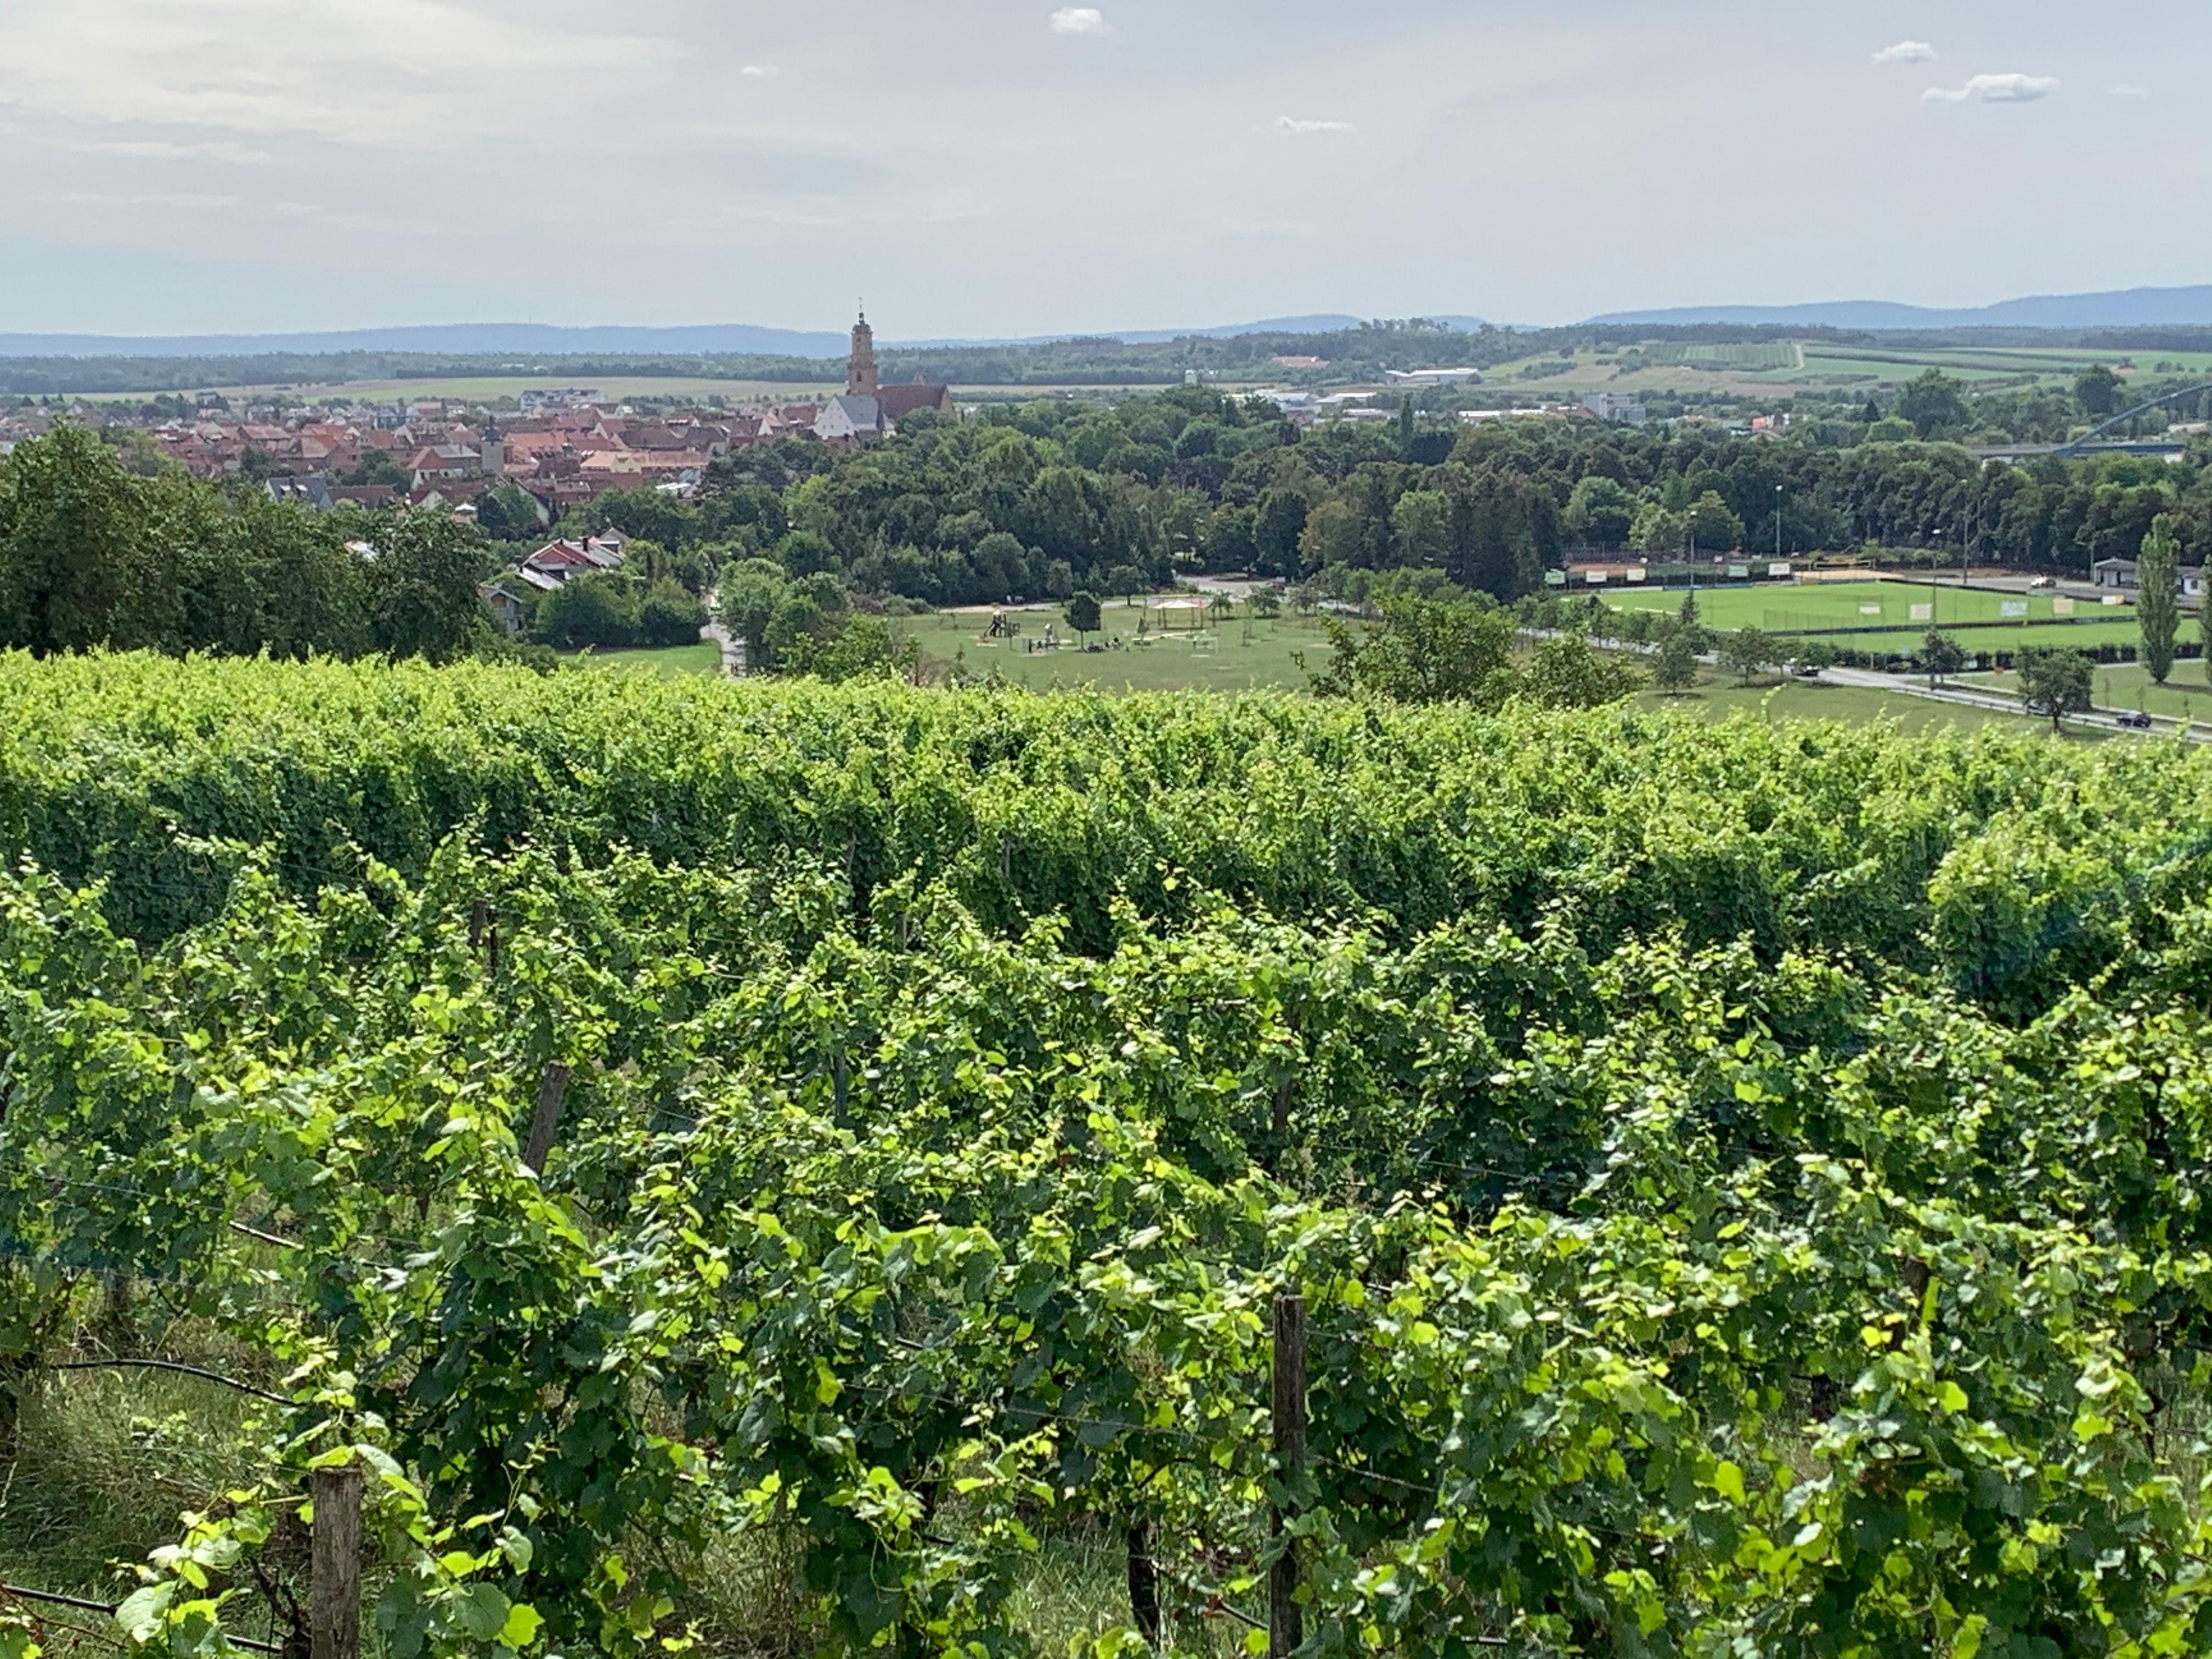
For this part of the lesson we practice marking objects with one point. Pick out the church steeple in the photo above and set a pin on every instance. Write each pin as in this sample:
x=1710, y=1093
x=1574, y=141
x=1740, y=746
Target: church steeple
x=860, y=372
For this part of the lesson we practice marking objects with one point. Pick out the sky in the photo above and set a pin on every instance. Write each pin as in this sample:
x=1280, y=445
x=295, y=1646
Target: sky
x=985, y=167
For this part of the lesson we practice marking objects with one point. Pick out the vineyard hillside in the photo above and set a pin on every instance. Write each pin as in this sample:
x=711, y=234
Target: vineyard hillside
x=764, y=1168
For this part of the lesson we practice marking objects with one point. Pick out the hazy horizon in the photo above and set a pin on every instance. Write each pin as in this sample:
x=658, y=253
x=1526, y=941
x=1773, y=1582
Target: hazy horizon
x=1016, y=168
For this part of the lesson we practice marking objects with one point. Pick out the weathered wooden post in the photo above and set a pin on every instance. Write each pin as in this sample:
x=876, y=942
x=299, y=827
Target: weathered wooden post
x=547, y=1122
x=1285, y=1620
x=334, y=1606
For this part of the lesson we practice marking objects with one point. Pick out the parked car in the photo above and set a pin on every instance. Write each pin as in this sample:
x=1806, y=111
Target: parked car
x=2045, y=581
x=2133, y=720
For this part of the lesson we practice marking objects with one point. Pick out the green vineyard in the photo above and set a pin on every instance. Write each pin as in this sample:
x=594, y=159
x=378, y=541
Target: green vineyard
x=770, y=1168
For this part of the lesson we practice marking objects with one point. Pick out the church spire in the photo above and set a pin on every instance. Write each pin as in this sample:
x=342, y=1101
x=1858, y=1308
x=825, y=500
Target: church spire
x=860, y=373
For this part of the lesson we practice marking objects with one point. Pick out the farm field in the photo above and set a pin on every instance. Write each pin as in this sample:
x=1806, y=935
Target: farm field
x=765, y=1168
x=490, y=388
x=1785, y=607
x=1751, y=368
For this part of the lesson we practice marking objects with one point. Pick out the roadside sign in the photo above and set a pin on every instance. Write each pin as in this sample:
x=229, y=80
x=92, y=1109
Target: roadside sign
x=2011, y=607
x=1638, y=573
x=1738, y=572
x=2061, y=607
x=2113, y=599
x=1555, y=578
x=1924, y=613
x=1870, y=610
x=1777, y=570
x=1594, y=578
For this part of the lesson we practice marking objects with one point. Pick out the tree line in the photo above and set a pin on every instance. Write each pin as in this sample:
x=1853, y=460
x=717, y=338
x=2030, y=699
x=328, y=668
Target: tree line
x=1045, y=499
x=93, y=554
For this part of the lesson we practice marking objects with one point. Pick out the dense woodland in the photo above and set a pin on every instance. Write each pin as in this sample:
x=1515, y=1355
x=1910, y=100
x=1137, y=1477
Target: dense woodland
x=1046, y=499
x=1042, y=498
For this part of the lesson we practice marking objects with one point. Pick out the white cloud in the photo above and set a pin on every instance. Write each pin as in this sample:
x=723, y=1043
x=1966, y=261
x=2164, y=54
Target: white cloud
x=2128, y=91
x=760, y=71
x=1907, y=52
x=189, y=203
x=1078, y=20
x=1290, y=124
x=163, y=150
x=1994, y=89
x=405, y=73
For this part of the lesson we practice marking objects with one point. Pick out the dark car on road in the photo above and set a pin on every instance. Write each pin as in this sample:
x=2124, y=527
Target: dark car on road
x=2134, y=721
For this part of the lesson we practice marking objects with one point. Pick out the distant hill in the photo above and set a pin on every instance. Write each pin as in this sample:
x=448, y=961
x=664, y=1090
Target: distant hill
x=531, y=340
x=2134, y=308
x=521, y=340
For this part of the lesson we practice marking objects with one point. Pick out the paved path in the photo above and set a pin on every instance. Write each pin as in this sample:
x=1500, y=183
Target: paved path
x=1974, y=696
x=733, y=650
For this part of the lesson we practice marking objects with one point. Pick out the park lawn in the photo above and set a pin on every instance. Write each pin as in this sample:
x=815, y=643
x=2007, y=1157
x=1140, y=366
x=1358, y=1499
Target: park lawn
x=1979, y=643
x=1802, y=607
x=1241, y=655
x=2185, y=696
x=665, y=662
x=1718, y=695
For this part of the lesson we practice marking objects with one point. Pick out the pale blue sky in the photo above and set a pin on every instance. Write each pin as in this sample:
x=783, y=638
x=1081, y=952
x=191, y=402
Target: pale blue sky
x=976, y=167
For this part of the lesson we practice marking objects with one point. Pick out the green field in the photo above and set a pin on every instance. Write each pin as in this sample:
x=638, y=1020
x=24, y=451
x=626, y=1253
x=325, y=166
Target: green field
x=1983, y=641
x=1782, y=608
x=2185, y=696
x=1240, y=656
x=1718, y=696
x=665, y=663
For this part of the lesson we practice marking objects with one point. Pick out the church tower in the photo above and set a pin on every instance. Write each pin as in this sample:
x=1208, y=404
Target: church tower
x=860, y=373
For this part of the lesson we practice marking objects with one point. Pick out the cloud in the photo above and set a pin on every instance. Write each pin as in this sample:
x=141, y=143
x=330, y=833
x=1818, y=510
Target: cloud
x=1993, y=89
x=1297, y=128
x=404, y=74
x=1078, y=20
x=2128, y=91
x=1907, y=52
x=760, y=71
x=163, y=150
x=184, y=203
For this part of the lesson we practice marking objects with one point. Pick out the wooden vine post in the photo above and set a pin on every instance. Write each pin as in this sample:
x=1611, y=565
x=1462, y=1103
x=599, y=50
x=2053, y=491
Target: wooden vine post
x=334, y=1605
x=547, y=1122
x=1286, y=1621
x=479, y=913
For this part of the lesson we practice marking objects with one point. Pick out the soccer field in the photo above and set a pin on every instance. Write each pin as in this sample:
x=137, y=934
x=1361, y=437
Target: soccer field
x=1784, y=608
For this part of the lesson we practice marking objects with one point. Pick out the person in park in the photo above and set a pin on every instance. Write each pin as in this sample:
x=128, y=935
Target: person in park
x=2056, y=681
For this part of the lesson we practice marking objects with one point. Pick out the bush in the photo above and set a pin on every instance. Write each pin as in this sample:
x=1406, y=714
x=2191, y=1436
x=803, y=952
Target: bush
x=597, y=609
x=669, y=615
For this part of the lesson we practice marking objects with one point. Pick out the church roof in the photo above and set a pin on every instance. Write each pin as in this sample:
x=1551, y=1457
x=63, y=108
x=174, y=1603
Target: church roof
x=900, y=400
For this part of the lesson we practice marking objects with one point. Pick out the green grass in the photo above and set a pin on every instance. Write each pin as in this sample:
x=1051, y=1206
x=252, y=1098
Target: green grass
x=667, y=662
x=1797, y=608
x=2185, y=696
x=1240, y=656
x=1982, y=642
x=1718, y=695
